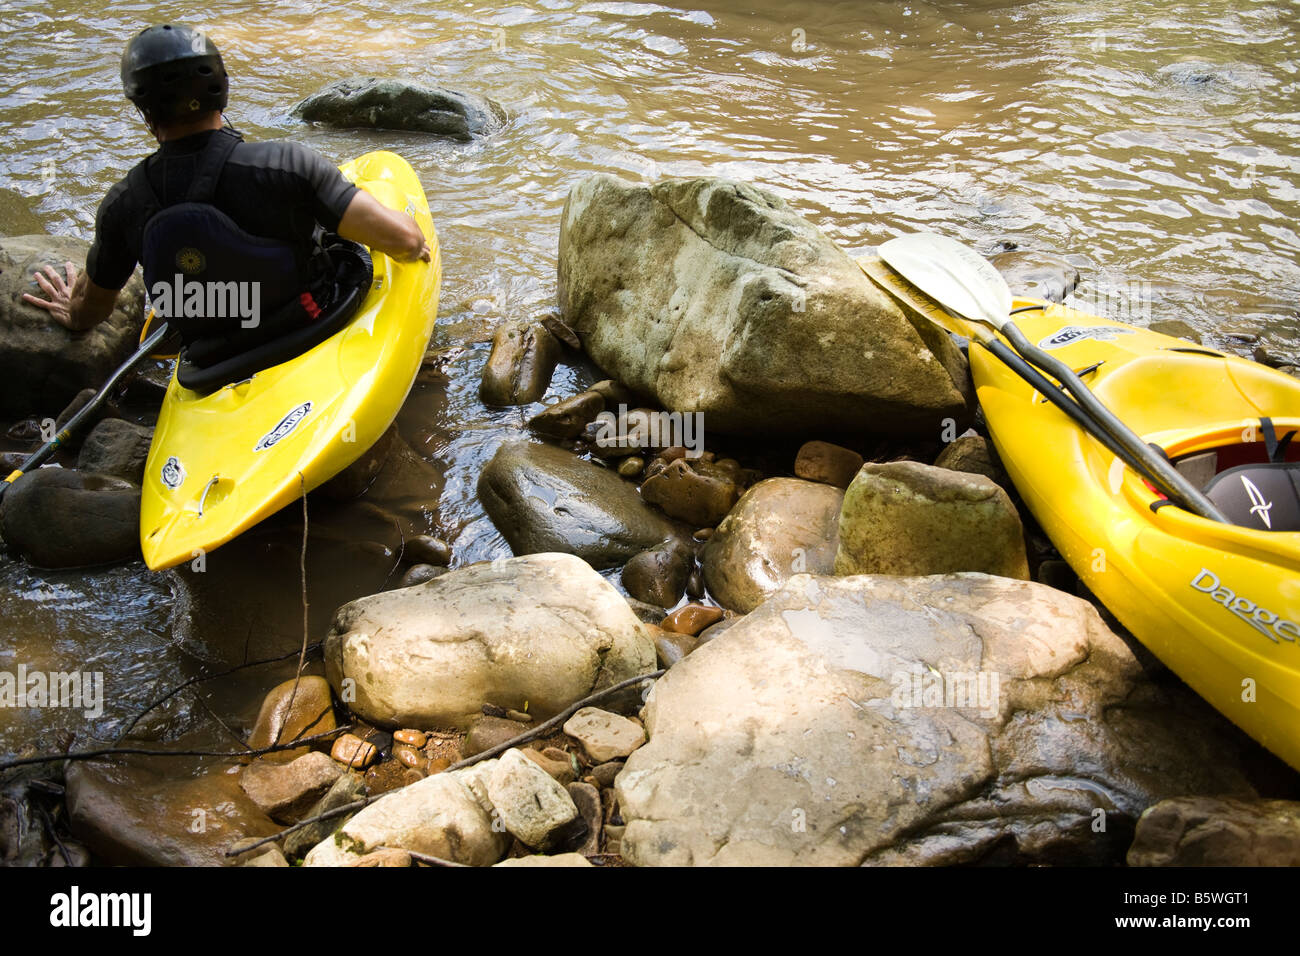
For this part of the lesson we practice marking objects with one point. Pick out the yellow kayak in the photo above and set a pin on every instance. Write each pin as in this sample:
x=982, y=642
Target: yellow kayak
x=223, y=461
x=1218, y=603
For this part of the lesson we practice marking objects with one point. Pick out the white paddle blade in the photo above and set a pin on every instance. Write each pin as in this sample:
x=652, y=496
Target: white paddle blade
x=958, y=278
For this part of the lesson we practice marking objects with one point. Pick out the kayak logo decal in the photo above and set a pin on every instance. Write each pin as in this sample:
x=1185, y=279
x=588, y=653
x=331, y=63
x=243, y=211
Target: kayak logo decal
x=287, y=425
x=1269, y=623
x=1262, y=506
x=172, y=474
x=1077, y=333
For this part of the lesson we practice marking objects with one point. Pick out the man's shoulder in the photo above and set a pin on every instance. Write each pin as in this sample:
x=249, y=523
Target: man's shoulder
x=283, y=155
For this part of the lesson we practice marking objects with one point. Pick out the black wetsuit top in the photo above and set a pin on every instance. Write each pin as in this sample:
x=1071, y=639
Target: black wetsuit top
x=277, y=190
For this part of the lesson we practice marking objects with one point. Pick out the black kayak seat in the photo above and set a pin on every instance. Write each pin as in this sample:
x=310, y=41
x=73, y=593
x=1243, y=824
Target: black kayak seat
x=206, y=365
x=1263, y=497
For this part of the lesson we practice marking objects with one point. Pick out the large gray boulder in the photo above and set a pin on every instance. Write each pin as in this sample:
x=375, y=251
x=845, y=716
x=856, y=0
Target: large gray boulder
x=542, y=498
x=781, y=527
x=43, y=365
x=925, y=720
x=59, y=518
x=118, y=448
x=714, y=296
x=540, y=631
x=374, y=103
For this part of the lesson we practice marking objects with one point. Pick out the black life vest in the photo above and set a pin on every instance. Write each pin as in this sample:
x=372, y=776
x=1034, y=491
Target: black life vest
x=193, y=242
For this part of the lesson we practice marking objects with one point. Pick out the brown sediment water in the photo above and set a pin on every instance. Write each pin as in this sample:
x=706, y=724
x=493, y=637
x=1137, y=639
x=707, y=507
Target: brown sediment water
x=1154, y=146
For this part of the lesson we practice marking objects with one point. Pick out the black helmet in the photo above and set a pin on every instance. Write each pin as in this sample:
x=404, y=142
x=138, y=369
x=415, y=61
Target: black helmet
x=171, y=72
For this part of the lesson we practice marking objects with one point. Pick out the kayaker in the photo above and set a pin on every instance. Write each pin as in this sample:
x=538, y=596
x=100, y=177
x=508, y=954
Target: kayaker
x=211, y=206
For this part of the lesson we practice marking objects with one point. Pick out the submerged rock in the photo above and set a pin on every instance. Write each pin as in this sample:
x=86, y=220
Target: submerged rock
x=904, y=517
x=373, y=103
x=923, y=720
x=520, y=366
x=715, y=297
x=781, y=527
x=542, y=499
x=44, y=365
x=59, y=518
x=1037, y=275
x=543, y=631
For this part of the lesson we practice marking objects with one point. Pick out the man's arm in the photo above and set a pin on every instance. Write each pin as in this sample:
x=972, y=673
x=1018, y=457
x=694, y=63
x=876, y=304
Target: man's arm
x=393, y=233
x=77, y=304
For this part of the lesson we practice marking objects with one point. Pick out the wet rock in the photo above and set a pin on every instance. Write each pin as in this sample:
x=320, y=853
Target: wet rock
x=1209, y=831
x=520, y=366
x=531, y=804
x=1010, y=766
x=646, y=613
x=373, y=103
x=419, y=573
x=552, y=322
x=438, y=816
x=631, y=467
x=133, y=816
x=908, y=518
x=779, y=528
x=412, y=738
x=358, y=477
x=587, y=799
x=36, y=431
x=286, y=715
x=715, y=296
x=604, y=736
x=347, y=789
x=284, y=791
x=973, y=454
x=691, y=619
x=658, y=577
x=558, y=859
x=1177, y=328
x=686, y=494
x=269, y=855
x=44, y=364
x=716, y=630
x=614, y=394
x=671, y=647
x=487, y=732
x=427, y=549
x=555, y=762
x=58, y=518
x=1037, y=275
x=566, y=419
x=351, y=751
x=543, y=630
x=118, y=448
x=408, y=756
x=544, y=499
x=827, y=463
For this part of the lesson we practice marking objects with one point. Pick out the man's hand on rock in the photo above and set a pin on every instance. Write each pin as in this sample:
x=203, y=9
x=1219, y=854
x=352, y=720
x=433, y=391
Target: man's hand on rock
x=59, y=303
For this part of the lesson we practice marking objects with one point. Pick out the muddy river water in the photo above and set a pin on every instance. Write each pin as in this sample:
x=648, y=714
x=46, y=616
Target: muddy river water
x=1151, y=144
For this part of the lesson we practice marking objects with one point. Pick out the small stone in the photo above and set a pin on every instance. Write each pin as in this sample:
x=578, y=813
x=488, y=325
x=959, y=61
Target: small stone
x=419, y=573
x=631, y=467
x=388, y=856
x=519, y=368
x=974, y=455
x=554, y=761
x=559, y=859
x=439, y=764
x=351, y=751
x=604, y=736
x=284, y=791
x=286, y=715
x=827, y=463
x=412, y=775
x=520, y=716
x=604, y=773
x=695, y=584
x=427, y=549
x=587, y=799
x=671, y=647
x=690, y=496
x=692, y=619
x=672, y=453
x=704, y=534
x=614, y=394
x=658, y=577
x=552, y=322
x=408, y=756
x=488, y=732
x=268, y=855
x=530, y=803
x=412, y=738
x=567, y=419
x=614, y=839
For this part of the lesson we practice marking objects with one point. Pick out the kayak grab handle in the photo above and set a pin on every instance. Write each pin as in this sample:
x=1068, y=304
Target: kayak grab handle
x=206, y=488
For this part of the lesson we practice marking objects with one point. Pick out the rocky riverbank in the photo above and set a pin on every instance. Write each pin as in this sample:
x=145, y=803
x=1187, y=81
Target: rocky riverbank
x=772, y=600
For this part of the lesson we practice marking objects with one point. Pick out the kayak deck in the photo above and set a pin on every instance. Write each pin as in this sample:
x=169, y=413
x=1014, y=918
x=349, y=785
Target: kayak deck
x=224, y=461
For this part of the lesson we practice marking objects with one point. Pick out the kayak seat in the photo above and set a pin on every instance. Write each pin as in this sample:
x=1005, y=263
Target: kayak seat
x=207, y=364
x=1262, y=497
